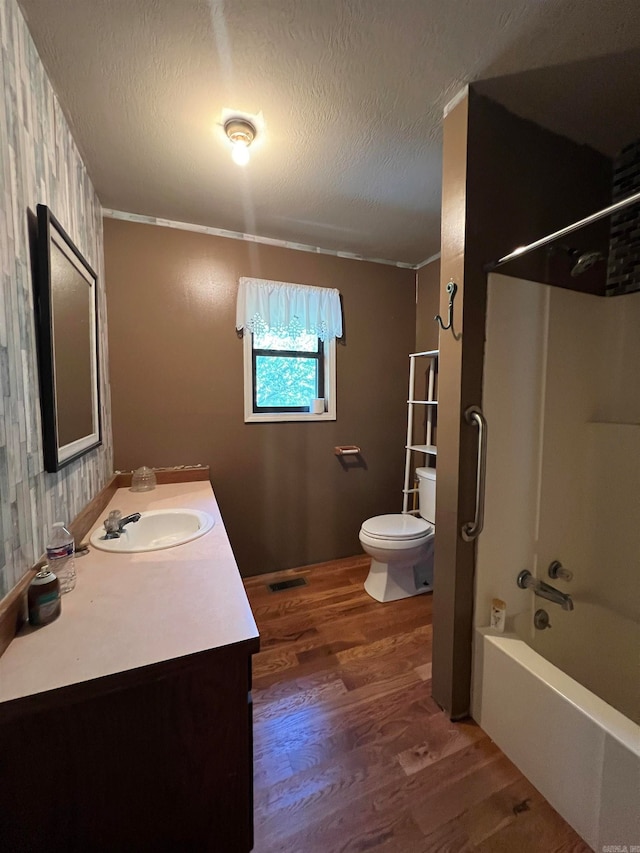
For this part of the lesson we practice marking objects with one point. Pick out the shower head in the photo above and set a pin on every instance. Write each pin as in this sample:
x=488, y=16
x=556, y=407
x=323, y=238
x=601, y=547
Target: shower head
x=579, y=260
x=584, y=261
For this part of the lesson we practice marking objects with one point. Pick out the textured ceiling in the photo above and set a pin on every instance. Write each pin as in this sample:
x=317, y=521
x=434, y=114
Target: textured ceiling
x=351, y=91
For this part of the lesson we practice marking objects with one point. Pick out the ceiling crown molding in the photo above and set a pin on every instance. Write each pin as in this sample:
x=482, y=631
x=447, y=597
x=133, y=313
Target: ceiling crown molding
x=250, y=238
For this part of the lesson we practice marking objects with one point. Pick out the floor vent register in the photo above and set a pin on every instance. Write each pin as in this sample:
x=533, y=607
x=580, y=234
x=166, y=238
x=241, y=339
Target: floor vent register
x=281, y=585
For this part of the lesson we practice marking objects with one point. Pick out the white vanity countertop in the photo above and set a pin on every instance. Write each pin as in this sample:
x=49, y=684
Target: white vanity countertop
x=132, y=610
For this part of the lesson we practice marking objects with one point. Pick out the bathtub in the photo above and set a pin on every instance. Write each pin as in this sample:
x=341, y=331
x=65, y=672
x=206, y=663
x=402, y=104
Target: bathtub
x=596, y=645
x=581, y=753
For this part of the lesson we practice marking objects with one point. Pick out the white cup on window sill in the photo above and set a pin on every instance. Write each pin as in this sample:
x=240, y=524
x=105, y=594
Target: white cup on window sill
x=316, y=406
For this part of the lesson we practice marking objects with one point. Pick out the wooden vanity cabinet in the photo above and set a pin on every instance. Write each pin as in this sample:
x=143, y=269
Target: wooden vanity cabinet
x=153, y=759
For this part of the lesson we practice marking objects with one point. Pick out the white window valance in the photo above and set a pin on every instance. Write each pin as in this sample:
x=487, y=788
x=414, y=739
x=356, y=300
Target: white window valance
x=284, y=308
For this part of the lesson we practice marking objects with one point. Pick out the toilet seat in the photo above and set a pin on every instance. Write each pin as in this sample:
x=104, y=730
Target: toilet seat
x=397, y=527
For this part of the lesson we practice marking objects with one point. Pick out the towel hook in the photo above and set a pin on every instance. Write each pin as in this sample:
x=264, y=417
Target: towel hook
x=452, y=288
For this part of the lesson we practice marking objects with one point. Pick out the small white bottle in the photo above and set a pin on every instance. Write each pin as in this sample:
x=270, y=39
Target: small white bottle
x=60, y=554
x=498, y=615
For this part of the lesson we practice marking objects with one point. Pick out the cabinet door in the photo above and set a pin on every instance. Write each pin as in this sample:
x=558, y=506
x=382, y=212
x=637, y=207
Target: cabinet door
x=161, y=765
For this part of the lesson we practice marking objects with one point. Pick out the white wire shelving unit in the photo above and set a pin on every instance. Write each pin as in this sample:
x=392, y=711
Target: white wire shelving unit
x=431, y=404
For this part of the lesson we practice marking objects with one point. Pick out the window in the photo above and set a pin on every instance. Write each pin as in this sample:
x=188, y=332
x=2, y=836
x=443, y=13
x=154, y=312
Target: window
x=289, y=350
x=288, y=372
x=285, y=373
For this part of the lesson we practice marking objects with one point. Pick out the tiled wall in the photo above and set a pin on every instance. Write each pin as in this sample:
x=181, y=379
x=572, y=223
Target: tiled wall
x=39, y=163
x=623, y=274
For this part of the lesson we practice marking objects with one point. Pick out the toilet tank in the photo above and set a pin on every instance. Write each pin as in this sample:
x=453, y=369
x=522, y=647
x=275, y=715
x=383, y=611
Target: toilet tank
x=427, y=493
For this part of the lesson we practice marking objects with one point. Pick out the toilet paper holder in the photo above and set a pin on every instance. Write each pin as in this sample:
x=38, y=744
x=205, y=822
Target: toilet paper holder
x=347, y=450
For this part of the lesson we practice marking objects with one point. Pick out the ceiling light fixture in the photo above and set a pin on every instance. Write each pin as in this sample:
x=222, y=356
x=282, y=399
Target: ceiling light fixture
x=241, y=133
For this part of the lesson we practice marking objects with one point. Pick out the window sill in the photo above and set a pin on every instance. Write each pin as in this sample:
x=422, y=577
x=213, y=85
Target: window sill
x=283, y=417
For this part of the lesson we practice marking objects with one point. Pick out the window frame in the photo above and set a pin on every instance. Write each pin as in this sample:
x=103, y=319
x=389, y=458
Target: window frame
x=327, y=369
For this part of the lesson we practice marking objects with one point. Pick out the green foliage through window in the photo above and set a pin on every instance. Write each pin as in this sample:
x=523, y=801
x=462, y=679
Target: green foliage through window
x=288, y=371
x=283, y=382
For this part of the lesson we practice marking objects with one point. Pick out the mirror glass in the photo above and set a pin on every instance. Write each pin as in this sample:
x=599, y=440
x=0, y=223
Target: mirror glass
x=66, y=299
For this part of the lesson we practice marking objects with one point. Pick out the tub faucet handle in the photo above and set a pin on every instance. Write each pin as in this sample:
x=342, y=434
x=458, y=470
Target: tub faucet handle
x=541, y=620
x=557, y=570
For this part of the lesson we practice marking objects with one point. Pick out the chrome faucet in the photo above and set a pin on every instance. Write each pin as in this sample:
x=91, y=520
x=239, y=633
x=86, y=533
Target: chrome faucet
x=115, y=523
x=527, y=581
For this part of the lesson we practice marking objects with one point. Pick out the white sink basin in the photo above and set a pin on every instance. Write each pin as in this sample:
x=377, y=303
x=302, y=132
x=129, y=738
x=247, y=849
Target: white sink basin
x=157, y=529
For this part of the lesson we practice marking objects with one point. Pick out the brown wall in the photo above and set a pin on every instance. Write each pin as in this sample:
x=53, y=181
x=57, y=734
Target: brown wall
x=427, y=306
x=506, y=181
x=177, y=389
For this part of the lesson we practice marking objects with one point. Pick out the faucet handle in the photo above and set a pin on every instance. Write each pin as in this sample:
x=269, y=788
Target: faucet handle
x=557, y=570
x=112, y=522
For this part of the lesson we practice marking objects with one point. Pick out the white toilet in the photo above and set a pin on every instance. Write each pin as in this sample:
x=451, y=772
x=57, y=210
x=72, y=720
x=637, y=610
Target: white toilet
x=401, y=547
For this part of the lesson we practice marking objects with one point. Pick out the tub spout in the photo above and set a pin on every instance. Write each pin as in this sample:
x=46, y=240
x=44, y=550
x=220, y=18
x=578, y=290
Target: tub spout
x=527, y=581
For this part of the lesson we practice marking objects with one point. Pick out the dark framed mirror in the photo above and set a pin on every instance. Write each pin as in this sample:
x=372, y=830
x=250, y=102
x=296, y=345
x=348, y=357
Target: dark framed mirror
x=67, y=327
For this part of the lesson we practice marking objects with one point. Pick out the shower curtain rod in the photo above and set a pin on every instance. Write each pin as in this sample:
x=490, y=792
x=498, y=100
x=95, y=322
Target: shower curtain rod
x=523, y=250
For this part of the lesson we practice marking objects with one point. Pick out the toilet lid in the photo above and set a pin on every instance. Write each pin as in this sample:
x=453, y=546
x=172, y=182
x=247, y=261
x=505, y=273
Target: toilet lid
x=396, y=527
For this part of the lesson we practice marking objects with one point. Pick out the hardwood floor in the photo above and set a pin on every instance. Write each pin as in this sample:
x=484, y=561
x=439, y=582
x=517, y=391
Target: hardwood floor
x=352, y=753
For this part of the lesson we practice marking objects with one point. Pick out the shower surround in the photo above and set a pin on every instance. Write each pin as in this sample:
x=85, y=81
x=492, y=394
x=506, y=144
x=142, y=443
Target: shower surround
x=563, y=483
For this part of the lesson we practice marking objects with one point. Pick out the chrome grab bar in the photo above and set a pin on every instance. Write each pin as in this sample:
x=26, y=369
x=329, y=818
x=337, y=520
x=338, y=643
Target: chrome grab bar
x=472, y=529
